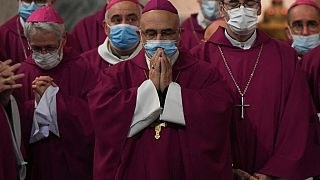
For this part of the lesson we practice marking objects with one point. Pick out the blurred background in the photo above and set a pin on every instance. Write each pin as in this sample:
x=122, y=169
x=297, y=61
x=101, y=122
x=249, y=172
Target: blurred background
x=272, y=19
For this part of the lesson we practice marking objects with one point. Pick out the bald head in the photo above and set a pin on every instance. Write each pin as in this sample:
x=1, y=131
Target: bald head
x=159, y=25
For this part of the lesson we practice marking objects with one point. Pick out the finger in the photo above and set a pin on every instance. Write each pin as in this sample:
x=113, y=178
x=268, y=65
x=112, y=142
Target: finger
x=47, y=78
x=155, y=58
x=13, y=78
x=54, y=84
x=15, y=67
x=6, y=62
x=253, y=178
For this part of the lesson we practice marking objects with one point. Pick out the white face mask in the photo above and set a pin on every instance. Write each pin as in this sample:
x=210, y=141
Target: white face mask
x=242, y=20
x=304, y=44
x=48, y=60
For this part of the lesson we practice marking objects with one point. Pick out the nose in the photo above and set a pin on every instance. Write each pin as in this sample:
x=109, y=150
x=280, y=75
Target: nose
x=305, y=31
x=158, y=37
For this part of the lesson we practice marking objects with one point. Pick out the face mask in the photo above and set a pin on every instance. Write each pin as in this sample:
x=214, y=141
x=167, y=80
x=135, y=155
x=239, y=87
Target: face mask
x=48, y=60
x=124, y=36
x=304, y=44
x=210, y=9
x=25, y=9
x=169, y=47
x=243, y=21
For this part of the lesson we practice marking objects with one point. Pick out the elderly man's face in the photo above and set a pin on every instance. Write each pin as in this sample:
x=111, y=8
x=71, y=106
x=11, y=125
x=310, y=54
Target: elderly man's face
x=304, y=20
x=125, y=12
x=45, y=42
x=159, y=25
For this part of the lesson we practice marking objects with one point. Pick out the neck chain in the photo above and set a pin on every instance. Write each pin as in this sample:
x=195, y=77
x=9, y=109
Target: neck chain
x=20, y=39
x=242, y=105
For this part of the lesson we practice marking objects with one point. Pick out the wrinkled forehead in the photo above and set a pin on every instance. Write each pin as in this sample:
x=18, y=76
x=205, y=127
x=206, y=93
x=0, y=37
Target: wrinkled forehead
x=124, y=8
x=159, y=19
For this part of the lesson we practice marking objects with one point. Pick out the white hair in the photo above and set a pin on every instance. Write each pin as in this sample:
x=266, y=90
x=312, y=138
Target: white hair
x=58, y=29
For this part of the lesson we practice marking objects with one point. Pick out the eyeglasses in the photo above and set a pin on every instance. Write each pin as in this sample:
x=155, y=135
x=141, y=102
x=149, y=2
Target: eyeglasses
x=44, y=49
x=298, y=26
x=165, y=33
x=232, y=4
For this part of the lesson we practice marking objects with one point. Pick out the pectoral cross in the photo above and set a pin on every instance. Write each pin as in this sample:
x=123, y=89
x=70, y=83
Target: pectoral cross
x=242, y=105
x=157, y=128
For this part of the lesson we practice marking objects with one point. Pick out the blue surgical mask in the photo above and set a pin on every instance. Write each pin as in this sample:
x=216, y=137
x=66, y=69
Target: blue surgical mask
x=210, y=9
x=304, y=44
x=25, y=9
x=124, y=36
x=169, y=47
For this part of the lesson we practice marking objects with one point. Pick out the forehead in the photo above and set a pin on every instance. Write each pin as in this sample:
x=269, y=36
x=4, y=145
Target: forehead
x=124, y=8
x=304, y=12
x=159, y=19
x=42, y=38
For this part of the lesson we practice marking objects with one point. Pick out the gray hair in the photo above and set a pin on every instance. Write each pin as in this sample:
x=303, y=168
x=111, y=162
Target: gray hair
x=58, y=29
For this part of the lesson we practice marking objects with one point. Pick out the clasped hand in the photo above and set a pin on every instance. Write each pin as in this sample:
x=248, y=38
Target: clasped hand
x=161, y=71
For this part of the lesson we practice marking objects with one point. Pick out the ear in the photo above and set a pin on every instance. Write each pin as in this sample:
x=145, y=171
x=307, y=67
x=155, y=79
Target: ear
x=259, y=10
x=65, y=38
x=222, y=11
x=287, y=31
x=106, y=28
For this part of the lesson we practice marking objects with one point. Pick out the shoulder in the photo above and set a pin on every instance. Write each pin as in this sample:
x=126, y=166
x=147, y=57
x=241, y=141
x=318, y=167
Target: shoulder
x=91, y=19
x=191, y=19
x=90, y=54
x=10, y=24
x=311, y=60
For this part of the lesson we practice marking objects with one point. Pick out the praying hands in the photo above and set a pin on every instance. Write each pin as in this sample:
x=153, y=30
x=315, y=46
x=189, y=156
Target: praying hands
x=161, y=71
x=8, y=80
x=40, y=85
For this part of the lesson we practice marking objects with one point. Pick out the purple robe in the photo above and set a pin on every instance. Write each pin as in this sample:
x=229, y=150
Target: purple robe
x=93, y=58
x=89, y=32
x=272, y=137
x=8, y=167
x=192, y=33
x=311, y=65
x=196, y=151
x=69, y=156
x=13, y=44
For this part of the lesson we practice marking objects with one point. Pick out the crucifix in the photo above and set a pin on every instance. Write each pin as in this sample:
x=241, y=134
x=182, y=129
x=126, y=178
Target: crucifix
x=242, y=105
x=158, y=125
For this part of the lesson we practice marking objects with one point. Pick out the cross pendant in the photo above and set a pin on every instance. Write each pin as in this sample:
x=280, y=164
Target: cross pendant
x=157, y=129
x=243, y=105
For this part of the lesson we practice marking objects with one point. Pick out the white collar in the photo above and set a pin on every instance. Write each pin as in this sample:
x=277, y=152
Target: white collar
x=22, y=22
x=173, y=59
x=106, y=54
x=243, y=45
x=203, y=22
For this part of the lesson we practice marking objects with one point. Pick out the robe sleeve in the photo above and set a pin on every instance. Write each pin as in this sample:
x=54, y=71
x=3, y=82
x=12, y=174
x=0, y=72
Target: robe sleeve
x=112, y=108
x=293, y=128
x=173, y=109
x=145, y=115
x=45, y=116
x=206, y=136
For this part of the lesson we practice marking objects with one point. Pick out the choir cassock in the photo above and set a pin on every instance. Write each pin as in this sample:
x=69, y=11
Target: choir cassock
x=310, y=65
x=12, y=164
x=272, y=115
x=191, y=32
x=89, y=32
x=193, y=143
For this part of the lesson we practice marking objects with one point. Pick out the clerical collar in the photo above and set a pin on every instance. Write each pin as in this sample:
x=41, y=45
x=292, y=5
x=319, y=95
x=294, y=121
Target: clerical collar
x=173, y=59
x=243, y=45
x=22, y=22
x=203, y=22
x=106, y=54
